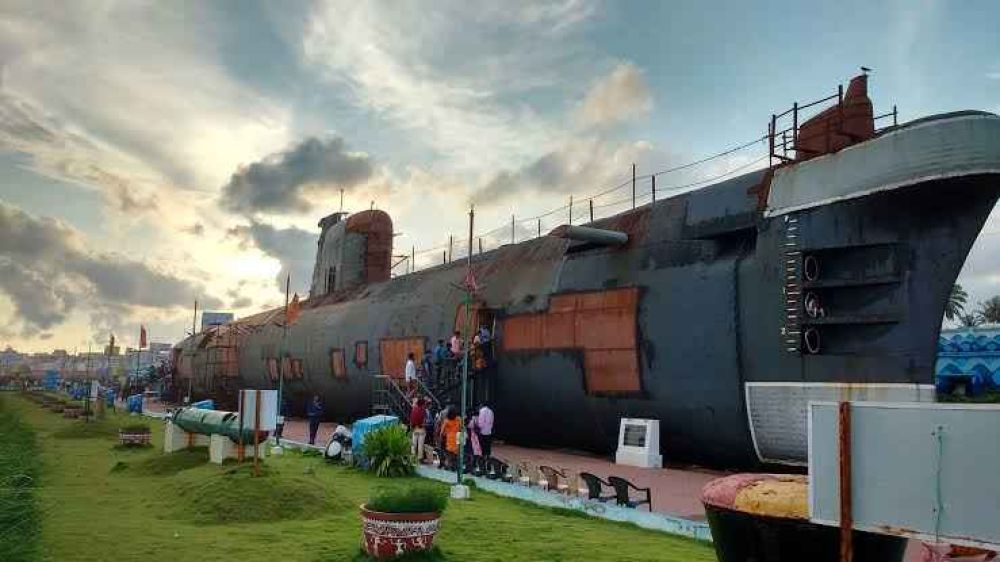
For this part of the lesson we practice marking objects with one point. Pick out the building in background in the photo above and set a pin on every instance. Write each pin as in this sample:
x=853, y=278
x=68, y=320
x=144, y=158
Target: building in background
x=968, y=358
x=209, y=319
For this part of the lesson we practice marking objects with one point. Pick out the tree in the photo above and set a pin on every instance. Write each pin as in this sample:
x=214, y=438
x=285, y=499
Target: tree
x=969, y=320
x=956, y=302
x=989, y=310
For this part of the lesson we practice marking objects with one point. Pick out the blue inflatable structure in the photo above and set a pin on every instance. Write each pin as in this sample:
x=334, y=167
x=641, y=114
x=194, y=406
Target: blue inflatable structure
x=969, y=357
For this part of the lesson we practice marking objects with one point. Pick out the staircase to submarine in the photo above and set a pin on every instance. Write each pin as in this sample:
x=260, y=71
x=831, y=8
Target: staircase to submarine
x=391, y=396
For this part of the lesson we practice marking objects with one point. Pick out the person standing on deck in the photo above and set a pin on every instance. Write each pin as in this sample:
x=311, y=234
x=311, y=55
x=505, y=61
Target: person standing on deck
x=418, y=417
x=485, y=420
x=411, y=372
x=314, y=412
x=427, y=367
x=455, y=344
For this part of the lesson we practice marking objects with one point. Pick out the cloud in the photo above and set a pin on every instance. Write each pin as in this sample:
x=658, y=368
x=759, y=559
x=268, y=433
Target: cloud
x=281, y=182
x=39, y=303
x=47, y=270
x=620, y=96
x=579, y=165
x=465, y=96
x=196, y=229
x=293, y=247
x=127, y=99
x=241, y=302
x=993, y=75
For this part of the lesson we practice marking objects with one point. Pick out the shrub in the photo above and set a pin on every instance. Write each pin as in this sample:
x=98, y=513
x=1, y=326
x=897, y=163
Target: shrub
x=418, y=498
x=388, y=451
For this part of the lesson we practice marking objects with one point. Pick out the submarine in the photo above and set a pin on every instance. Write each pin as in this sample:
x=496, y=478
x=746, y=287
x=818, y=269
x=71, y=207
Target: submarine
x=720, y=311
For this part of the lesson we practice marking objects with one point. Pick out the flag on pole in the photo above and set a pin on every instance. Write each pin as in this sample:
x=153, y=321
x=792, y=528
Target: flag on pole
x=294, y=309
x=142, y=336
x=470, y=283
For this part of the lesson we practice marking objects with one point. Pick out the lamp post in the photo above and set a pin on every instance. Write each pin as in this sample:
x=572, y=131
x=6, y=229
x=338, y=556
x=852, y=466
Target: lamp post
x=459, y=490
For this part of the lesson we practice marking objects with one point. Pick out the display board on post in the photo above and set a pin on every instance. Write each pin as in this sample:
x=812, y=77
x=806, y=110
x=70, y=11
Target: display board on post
x=258, y=412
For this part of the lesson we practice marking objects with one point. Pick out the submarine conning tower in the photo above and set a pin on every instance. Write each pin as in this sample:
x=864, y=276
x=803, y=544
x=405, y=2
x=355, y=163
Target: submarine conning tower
x=352, y=251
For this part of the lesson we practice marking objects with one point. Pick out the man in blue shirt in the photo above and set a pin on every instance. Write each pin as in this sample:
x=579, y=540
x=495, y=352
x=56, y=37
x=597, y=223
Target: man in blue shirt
x=314, y=412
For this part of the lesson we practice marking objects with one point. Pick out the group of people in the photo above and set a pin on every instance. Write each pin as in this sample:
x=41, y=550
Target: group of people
x=448, y=356
x=447, y=426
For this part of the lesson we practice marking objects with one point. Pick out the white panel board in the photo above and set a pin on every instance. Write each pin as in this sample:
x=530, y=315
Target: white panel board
x=268, y=408
x=918, y=470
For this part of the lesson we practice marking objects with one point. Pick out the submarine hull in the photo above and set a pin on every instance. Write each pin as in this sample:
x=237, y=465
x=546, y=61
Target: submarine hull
x=721, y=317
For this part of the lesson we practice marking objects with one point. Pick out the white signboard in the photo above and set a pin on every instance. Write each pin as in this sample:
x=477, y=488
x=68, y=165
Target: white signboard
x=268, y=409
x=924, y=471
x=639, y=443
x=95, y=390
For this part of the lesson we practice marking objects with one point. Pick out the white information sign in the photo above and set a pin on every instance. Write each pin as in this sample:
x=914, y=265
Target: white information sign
x=268, y=409
x=639, y=443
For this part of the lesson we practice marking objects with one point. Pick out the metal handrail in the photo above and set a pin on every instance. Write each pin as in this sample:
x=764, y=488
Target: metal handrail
x=427, y=392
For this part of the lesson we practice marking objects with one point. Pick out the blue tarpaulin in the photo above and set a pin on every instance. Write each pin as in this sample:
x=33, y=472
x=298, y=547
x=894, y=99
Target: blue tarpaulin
x=364, y=426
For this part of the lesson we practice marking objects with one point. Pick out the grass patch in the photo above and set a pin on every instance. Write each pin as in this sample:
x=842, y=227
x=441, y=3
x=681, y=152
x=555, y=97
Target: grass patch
x=19, y=468
x=166, y=465
x=93, y=497
x=234, y=494
x=415, y=498
x=93, y=429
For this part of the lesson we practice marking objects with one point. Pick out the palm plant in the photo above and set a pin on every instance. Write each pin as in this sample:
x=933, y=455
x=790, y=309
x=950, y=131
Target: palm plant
x=969, y=320
x=989, y=310
x=388, y=451
x=956, y=302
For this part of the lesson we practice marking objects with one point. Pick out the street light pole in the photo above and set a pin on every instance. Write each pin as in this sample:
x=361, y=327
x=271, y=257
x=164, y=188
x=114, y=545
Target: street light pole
x=465, y=366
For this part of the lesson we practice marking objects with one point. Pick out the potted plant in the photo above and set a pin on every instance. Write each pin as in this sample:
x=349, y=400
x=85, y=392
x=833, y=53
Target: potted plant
x=134, y=435
x=399, y=520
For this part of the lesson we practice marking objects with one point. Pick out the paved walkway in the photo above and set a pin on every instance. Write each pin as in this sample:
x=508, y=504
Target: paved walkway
x=675, y=491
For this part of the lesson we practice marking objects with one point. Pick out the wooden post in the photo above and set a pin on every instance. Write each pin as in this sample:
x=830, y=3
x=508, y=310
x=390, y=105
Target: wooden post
x=539, y=228
x=256, y=435
x=654, y=187
x=571, y=210
x=591, y=210
x=450, y=240
x=512, y=229
x=413, y=258
x=846, y=491
x=444, y=256
x=480, y=245
x=239, y=449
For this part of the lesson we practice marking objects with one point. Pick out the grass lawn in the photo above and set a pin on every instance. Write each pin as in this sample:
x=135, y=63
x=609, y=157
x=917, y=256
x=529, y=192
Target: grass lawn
x=98, y=502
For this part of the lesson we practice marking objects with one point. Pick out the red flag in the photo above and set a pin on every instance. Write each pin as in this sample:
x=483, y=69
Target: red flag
x=293, y=311
x=470, y=282
x=142, y=336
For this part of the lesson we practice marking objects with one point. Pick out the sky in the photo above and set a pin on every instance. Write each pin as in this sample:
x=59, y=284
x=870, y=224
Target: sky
x=154, y=153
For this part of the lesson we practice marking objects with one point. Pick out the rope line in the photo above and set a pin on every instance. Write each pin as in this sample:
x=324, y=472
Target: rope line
x=498, y=235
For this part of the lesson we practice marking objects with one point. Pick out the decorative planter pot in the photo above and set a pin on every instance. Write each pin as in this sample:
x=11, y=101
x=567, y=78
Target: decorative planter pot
x=134, y=437
x=387, y=535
